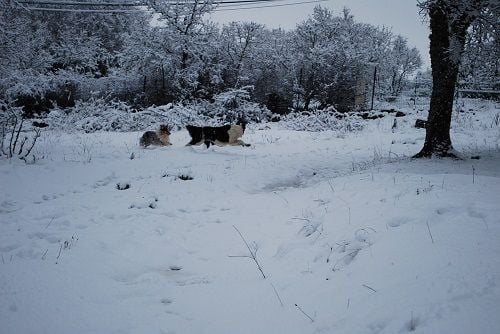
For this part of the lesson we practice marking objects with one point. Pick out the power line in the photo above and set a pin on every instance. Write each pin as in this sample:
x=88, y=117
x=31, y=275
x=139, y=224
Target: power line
x=218, y=2
x=125, y=11
x=237, y=4
x=132, y=4
x=76, y=3
x=269, y=6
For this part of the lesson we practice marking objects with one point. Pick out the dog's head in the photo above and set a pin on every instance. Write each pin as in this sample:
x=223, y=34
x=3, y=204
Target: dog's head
x=165, y=129
x=196, y=133
x=242, y=122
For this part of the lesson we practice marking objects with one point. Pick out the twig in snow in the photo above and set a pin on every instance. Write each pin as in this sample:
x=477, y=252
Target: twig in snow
x=413, y=325
x=49, y=223
x=17, y=136
x=12, y=136
x=473, y=174
x=348, y=302
x=252, y=253
x=22, y=146
x=331, y=185
x=429, y=229
x=3, y=261
x=368, y=287
x=396, y=155
x=300, y=218
x=344, y=258
x=37, y=135
x=304, y=313
x=59, y=255
x=348, y=207
x=282, y=197
x=329, y=254
x=277, y=295
x=43, y=256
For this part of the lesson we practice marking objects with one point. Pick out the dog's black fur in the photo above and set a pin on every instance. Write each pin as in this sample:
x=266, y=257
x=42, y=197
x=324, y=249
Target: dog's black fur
x=215, y=135
x=208, y=134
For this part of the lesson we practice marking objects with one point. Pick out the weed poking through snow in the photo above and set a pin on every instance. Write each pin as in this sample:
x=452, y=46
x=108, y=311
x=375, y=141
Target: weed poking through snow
x=253, y=252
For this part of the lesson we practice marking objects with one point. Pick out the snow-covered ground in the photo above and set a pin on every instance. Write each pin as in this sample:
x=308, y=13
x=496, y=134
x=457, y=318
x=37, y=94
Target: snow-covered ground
x=101, y=236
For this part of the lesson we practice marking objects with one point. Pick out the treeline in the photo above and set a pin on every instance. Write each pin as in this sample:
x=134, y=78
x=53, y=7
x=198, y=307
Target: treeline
x=168, y=52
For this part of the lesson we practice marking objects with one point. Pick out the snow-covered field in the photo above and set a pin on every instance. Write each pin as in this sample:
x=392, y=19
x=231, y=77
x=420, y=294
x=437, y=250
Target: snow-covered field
x=101, y=236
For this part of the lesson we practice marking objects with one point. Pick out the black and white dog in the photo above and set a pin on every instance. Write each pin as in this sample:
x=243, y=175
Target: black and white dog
x=217, y=135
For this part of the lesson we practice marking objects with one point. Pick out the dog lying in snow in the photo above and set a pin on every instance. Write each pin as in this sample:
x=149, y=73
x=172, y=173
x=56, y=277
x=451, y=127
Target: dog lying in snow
x=158, y=138
x=217, y=135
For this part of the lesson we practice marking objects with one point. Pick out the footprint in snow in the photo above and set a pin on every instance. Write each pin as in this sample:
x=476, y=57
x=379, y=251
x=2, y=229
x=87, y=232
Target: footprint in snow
x=193, y=281
x=49, y=237
x=475, y=214
x=46, y=198
x=175, y=268
x=8, y=248
x=348, y=250
x=398, y=221
x=9, y=206
x=144, y=204
x=166, y=301
x=105, y=181
x=443, y=211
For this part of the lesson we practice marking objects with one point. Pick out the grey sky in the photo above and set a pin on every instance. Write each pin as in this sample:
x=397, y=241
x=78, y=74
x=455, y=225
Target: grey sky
x=402, y=16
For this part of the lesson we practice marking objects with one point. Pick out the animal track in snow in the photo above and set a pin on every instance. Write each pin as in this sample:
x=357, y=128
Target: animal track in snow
x=166, y=301
x=105, y=181
x=144, y=204
x=349, y=249
x=49, y=237
x=175, y=268
x=398, y=221
x=193, y=281
x=442, y=211
x=475, y=214
x=8, y=248
x=9, y=206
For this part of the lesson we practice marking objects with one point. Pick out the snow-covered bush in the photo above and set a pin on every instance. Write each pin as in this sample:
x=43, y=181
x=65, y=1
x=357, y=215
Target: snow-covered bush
x=234, y=104
x=322, y=120
x=101, y=115
x=38, y=93
x=93, y=115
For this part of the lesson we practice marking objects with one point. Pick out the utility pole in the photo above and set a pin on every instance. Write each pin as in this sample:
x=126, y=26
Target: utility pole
x=373, y=88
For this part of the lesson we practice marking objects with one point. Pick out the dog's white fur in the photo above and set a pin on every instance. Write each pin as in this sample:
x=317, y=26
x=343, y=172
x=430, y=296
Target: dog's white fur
x=235, y=132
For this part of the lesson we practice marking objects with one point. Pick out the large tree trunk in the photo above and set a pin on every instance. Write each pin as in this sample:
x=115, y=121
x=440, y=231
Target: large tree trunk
x=445, y=60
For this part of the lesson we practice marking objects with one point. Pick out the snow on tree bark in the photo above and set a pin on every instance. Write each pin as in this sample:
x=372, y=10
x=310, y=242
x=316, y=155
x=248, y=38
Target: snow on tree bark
x=449, y=21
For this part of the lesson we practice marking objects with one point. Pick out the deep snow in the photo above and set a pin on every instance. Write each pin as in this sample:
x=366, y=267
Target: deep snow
x=352, y=235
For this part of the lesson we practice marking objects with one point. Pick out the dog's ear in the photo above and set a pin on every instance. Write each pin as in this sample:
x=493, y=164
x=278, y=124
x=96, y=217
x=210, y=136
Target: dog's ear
x=165, y=128
x=242, y=122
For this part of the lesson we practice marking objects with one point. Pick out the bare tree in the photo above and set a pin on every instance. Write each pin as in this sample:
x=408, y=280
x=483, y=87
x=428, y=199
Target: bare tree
x=449, y=23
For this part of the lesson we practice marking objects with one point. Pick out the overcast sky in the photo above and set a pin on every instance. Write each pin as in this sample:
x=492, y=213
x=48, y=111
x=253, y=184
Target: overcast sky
x=402, y=16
